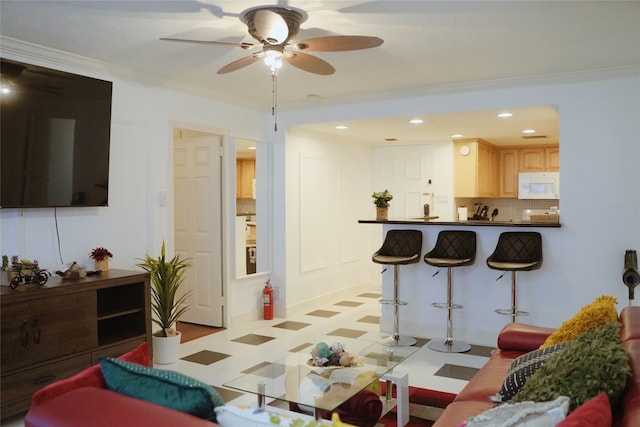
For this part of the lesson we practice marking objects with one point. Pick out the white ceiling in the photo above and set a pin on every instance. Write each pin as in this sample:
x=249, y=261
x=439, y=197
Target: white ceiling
x=427, y=45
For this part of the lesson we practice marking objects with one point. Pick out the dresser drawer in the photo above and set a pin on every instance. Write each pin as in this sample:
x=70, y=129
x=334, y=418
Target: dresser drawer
x=22, y=385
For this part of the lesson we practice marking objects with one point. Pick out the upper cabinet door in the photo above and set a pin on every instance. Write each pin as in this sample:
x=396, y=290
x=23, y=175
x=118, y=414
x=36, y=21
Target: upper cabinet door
x=245, y=174
x=509, y=173
x=532, y=159
x=552, y=158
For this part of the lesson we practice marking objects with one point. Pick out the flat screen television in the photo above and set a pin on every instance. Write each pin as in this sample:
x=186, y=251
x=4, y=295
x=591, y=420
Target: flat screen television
x=54, y=137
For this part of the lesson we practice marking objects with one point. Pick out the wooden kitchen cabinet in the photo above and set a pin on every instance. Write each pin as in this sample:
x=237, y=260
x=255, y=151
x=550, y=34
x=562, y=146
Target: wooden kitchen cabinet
x=532, y=159
x=509, y=168
x=52, y=332
x=245, y=174
x=475, y=168
x=552, y=158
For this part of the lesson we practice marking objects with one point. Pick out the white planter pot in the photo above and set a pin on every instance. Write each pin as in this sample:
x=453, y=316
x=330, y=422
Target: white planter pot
x=166, y=349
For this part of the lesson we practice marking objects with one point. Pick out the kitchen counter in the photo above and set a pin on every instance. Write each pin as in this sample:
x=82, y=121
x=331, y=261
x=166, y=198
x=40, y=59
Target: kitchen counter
x=471, y=223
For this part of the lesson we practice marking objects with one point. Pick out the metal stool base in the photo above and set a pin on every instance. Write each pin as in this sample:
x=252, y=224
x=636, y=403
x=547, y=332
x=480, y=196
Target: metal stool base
x=449, y=346
x=400, y=341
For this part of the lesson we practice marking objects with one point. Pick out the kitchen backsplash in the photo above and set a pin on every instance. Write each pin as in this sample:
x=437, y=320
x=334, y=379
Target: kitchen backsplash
x=508, y=209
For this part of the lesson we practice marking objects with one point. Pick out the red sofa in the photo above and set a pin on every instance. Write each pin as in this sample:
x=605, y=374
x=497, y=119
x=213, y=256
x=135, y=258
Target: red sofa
x=516, y=339
x=83, y=400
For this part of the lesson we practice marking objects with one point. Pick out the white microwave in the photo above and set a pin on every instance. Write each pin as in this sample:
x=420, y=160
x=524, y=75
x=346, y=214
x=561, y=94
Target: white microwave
x=539, y=185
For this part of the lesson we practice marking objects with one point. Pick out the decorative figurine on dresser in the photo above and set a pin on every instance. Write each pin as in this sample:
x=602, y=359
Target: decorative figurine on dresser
x=24, y=271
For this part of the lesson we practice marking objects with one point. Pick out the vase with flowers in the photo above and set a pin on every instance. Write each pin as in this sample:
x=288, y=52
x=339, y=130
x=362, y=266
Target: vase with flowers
x=101, y=256
x=381, y=200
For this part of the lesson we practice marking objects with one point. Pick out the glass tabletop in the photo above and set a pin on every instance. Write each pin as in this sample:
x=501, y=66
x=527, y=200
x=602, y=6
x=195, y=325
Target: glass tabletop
x=293, y=378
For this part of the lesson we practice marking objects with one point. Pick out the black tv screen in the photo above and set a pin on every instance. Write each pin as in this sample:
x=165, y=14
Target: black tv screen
x=54, y=137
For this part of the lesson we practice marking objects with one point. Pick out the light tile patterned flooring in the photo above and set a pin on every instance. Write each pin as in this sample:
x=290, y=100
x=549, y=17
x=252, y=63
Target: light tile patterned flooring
x=223, y=356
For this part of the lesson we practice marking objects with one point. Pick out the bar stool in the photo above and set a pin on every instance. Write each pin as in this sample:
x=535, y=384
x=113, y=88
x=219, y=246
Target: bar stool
x=452, y=249
x=400, y=247
x=516, y=251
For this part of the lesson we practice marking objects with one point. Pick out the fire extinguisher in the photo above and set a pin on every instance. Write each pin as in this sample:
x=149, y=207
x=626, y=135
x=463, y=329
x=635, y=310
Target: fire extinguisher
x=267, y=300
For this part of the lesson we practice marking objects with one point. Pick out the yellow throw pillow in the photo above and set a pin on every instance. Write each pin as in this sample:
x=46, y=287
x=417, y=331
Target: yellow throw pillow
x=601, y=311
x=369, y=377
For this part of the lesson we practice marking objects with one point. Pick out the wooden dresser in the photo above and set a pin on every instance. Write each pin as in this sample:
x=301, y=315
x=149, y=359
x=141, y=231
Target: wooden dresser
x=52, y=332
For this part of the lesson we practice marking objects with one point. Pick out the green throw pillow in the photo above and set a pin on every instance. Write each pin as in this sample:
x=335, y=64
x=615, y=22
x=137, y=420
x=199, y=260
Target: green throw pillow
x=166, y=388
x=594, y=362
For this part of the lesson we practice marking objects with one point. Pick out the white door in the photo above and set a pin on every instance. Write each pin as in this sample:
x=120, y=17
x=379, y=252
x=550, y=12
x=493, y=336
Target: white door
x=197, y=187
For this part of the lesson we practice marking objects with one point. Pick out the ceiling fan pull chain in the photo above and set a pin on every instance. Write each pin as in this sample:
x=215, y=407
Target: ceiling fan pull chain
x=274, y=99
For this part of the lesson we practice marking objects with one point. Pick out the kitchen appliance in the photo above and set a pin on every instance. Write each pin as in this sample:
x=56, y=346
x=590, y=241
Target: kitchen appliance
x=539, y=185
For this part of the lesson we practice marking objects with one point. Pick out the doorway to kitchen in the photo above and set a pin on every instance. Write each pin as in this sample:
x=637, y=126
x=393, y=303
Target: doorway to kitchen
x=197, y=224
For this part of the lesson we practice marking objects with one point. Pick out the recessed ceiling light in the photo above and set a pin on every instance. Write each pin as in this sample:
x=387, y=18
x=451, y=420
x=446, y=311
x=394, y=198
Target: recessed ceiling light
x=457, y=135
x=505, y=114
x=342, y=127
x=416, y=121
x=529, y=131
x=251, y=148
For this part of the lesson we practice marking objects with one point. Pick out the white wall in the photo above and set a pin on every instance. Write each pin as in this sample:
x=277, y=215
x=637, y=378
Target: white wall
x=600, y=149
x=140, y=167
x=327, y=181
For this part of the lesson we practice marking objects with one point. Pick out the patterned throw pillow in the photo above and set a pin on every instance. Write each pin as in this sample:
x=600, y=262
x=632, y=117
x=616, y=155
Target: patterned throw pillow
x=602, y=310
x=594, y=362
x=167, y=388
x=522, y=368
x=523, y=414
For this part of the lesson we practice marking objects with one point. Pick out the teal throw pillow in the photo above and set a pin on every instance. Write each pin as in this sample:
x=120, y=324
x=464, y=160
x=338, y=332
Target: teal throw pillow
x=593, y=363
x=167, y=388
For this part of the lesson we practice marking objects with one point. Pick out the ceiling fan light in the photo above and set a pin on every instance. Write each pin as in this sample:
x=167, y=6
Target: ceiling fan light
x=273, y=59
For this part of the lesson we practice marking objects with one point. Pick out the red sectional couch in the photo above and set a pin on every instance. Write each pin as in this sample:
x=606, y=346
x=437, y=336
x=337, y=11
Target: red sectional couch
x=83, y=400
x=516, y=339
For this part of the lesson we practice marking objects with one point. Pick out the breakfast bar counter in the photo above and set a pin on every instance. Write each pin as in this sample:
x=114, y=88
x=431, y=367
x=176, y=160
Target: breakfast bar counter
x=468, y=223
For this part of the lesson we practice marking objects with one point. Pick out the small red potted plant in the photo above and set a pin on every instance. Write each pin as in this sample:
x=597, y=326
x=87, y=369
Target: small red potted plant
x=101, y=257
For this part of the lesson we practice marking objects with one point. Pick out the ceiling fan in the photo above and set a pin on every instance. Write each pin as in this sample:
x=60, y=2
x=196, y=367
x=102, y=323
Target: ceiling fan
x=274, y=27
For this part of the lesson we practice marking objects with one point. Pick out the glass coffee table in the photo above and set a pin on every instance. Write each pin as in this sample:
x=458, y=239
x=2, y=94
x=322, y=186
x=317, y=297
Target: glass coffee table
x=316, y=389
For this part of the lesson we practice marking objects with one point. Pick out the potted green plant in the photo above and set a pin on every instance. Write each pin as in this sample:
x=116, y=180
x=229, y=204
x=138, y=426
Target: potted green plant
x=381, y=200
x=167, y=303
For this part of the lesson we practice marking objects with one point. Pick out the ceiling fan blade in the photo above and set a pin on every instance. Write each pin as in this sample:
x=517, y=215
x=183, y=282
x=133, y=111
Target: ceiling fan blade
x=241, y=63
x=270, y=26
x=243, y=45
x=309, y=63
x=338, y=43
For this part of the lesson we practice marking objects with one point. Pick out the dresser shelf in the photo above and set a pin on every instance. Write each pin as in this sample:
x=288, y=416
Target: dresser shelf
x=52, y=332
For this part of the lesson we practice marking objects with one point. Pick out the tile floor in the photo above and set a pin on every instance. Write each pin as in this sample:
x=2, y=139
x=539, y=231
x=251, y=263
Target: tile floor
x=223, y=356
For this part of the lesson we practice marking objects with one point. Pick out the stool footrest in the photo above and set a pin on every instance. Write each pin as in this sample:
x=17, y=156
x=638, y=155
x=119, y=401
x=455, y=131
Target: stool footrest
x=511, y=312
x=393, y=302
x=446, y=305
